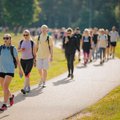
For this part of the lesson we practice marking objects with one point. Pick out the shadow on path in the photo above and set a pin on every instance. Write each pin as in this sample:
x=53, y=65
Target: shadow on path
x=62, y=81
x=34, y=92
x=98, y=65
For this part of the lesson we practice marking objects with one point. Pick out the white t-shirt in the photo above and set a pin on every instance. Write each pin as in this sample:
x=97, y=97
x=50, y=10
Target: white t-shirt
x=114, y=36
x=102, y=40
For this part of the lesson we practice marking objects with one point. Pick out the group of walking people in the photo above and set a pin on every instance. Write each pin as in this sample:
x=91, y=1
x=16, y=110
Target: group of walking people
x=94, y=43
x=40, y=53
x=32, y=54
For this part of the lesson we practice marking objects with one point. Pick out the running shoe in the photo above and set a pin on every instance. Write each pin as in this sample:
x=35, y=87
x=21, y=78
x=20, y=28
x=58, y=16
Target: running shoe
x=27, y=89
x=43, y=85
x=11, y=99
x=3, y=108
x=68, y=75
x=23, y=91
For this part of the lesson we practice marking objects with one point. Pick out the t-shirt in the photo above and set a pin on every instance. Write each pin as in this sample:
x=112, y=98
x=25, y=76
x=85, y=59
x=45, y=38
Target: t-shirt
x=94, y=38
x=6, y=60
x=27, y=54
x=114, y=36
x=43, y=50
x=102, y=40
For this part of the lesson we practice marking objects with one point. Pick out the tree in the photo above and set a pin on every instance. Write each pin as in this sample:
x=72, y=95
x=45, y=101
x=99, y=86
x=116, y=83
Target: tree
x=83, y=13
x=21, y=12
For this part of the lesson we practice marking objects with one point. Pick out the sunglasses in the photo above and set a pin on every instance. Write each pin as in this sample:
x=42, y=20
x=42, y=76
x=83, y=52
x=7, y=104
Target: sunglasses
x=6, y=38
x=26, y=35
x=69, y=33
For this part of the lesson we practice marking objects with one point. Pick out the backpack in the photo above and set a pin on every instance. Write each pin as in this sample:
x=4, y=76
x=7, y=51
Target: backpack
x=12, y=54
x=32, y=43
x=46, y=40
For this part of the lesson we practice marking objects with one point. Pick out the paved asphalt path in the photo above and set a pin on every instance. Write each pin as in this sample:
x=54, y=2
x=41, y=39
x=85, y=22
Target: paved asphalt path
x=63, y=97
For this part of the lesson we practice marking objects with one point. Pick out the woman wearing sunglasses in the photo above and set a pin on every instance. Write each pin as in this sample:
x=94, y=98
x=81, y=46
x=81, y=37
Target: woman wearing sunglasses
x=7, y=69
x=27, y=49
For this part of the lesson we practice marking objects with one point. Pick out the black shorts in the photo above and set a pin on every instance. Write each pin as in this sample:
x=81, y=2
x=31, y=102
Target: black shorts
x=113, y=44
x=4, y=74
x=26, y=65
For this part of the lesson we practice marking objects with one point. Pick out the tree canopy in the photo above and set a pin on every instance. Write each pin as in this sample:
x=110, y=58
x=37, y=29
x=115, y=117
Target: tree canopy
x=60, y=13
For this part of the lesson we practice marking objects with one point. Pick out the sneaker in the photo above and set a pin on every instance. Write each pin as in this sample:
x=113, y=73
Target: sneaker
x=68, y=75
x=3, y=108
x=43, y=85
x=11, y=99
x=27, y=89
x=79, y=60
x=90, y=60
x=101, y=62
x=23, y=91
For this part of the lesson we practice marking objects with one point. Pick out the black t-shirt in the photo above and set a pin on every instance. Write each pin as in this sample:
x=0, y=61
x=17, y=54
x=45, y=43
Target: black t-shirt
x=71, y=45
x=78, y=38
x=95, y=36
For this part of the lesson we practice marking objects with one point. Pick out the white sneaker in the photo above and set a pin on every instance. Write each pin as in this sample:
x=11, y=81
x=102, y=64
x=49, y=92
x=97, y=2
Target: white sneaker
x=43, y=84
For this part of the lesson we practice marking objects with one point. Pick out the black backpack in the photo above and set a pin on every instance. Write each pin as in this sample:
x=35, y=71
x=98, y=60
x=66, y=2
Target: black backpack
x=32, y=43
x=12, y=53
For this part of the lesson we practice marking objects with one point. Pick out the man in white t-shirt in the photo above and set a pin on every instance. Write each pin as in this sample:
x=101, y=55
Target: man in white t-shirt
x=102, y=43
x=113, y=40
x=44, y=53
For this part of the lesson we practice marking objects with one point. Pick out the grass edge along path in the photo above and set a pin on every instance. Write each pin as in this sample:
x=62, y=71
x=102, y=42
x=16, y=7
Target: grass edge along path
x=107, y=108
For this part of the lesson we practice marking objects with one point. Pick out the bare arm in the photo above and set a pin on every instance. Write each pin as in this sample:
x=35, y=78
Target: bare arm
x=19, y=66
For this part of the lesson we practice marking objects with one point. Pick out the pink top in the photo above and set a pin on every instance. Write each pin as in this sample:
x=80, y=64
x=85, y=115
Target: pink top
x=27, y=46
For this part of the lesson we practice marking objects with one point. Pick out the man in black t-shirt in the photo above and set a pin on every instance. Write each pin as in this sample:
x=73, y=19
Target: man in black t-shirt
x=78, y=36
x=95, y=42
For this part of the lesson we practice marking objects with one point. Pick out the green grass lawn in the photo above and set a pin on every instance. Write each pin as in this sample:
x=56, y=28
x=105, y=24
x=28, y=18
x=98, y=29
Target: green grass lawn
x=57, y=67
x=118, y=49
x=107, y=108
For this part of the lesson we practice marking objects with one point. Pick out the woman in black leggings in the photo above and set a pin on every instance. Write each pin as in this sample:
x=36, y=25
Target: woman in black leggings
x=70, y=46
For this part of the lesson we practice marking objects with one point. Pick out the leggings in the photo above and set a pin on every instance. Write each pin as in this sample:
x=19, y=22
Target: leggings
x=70, y=62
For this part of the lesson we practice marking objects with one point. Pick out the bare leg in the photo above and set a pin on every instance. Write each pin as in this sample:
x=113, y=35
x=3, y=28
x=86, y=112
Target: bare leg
x=44, y=75
x=6, y=84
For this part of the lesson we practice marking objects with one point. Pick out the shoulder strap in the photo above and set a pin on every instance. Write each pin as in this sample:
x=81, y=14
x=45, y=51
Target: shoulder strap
x=48, y=43
x=12, y=53
x=1, y=46
x=39, y=37
x=21, y=43
x=32, y=43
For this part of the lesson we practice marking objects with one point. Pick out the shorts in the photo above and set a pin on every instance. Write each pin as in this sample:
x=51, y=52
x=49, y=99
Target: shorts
x=113, y=44
x=6, y=74
x=27, y=66
x=42, y=63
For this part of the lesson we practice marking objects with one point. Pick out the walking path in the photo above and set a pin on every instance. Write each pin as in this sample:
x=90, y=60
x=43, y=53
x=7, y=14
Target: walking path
x=63, y=97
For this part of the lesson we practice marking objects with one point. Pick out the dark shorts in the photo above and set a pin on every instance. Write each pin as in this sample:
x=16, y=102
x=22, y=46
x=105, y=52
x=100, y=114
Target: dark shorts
x=113, y=44
x=6, y=74
x=26, y=65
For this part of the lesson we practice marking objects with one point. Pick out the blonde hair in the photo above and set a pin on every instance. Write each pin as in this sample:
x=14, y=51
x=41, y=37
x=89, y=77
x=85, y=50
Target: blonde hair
x=69, y=29
x=28, y=32
x=7, y=35
x=44, y=26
